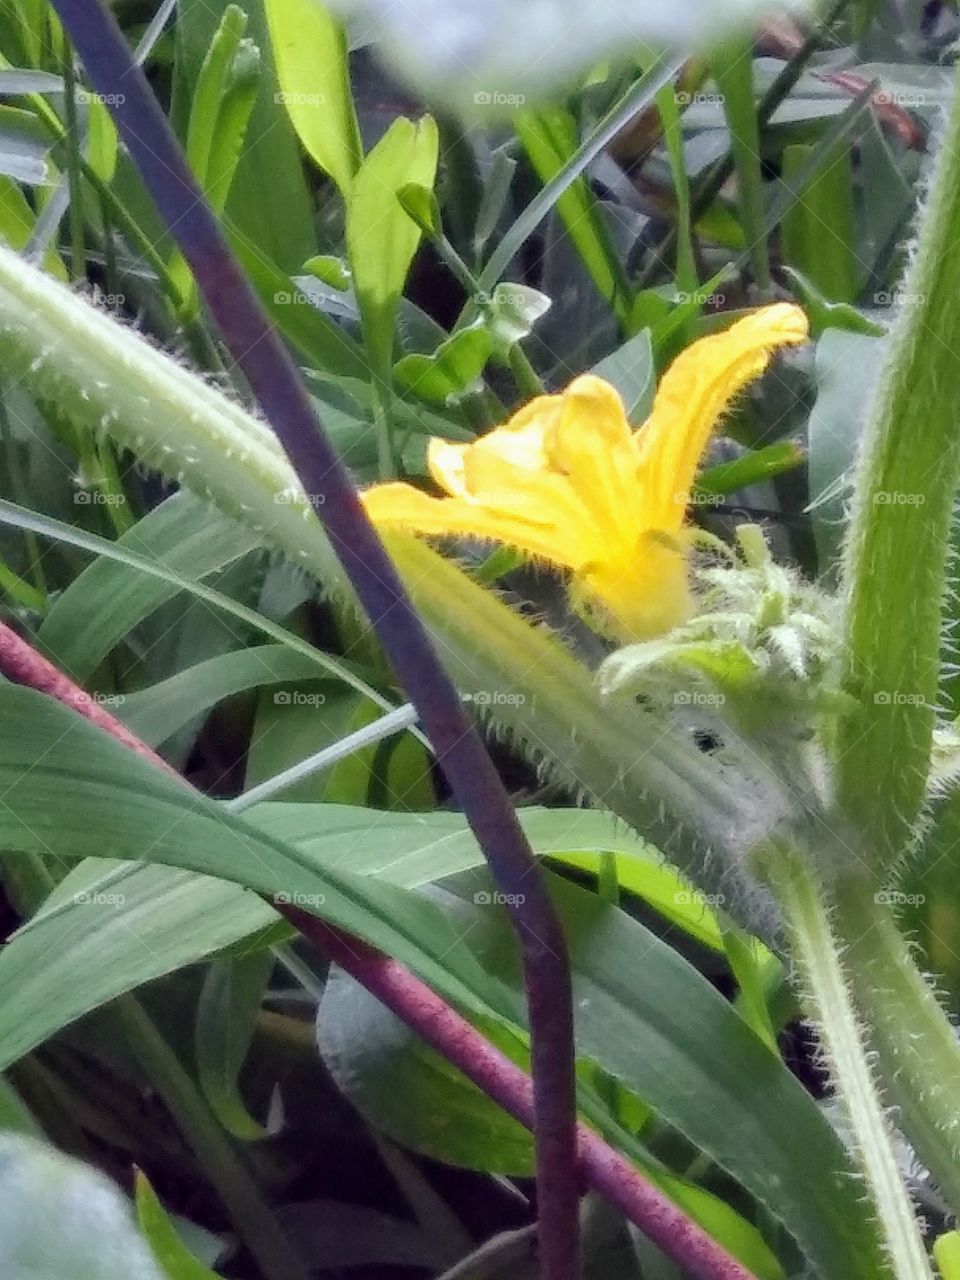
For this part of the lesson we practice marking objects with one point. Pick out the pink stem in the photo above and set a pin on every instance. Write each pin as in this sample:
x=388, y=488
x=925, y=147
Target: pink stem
x=602, y=1168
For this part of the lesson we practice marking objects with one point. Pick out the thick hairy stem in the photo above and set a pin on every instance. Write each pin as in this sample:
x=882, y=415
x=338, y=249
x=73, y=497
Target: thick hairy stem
x=916, y=1047
x=600, y=1167
x=895, y=564
x=824, y=972
x=330, y=492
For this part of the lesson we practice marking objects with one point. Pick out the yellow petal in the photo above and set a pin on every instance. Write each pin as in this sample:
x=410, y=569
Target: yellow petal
x=692, y=396
x=593, y=446
x=401, y=506
x=639, y=597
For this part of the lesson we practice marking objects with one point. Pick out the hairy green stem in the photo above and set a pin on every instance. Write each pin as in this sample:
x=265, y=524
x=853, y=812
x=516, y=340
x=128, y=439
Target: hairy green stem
x=917, y=1055
x=825, y=974
x=895, y=563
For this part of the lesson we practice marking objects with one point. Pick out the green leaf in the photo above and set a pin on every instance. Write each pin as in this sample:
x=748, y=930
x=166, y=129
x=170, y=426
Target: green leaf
x=510, y=313
x=59, y=1218
x=452, y=370
x=158, y=570
x=946, y=1254
x=226, y=91
x=631, y=370
x=409, y=1091
x=329, y=270
x=551, y=138
x=742, y=1107
x=106, y=601
x=17, y=220
x=751, y=468
x=421, y=204
x=381, y=238
x=313, y=68
x=156, y=713
x=169, y=1251
x=275, y=217
x=826, y=315
x=846, y=371
x=818, y=233
x=227, y=1014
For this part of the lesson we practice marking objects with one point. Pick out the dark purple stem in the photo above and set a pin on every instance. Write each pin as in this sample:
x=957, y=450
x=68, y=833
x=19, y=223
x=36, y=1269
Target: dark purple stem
x=601, y=1167
x=277, y=386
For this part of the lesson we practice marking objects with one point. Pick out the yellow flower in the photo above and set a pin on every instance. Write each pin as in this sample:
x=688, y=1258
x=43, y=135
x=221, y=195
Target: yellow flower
x=568, y=481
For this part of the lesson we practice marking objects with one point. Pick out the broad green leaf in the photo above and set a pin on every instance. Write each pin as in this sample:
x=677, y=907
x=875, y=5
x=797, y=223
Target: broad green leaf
x=452, y=370
x=62, y=1219
x=169, y=1251
x=643, y=1013
x=106, y=601
x=420, y=1100
x=818, y=233
x=847, y=369
x=409, y=1091
x=155, y=714
x=314, y=72
x=381, y=238
x=227, y=1014
x=157, y=570
x=632, y=371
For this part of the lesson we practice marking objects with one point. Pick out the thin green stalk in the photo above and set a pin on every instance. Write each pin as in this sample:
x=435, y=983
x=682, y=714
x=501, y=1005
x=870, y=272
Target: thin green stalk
x=608, y=879
x=895, y=563
x=917, y=1052
x=72, y=145
x=826, y=977
x=253, y=1220
x=685, y=275
x=732, y=67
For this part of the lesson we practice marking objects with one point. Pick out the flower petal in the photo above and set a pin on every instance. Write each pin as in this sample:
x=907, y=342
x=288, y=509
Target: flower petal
x=593, y=446
x=401, y=506
x=693, y=394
